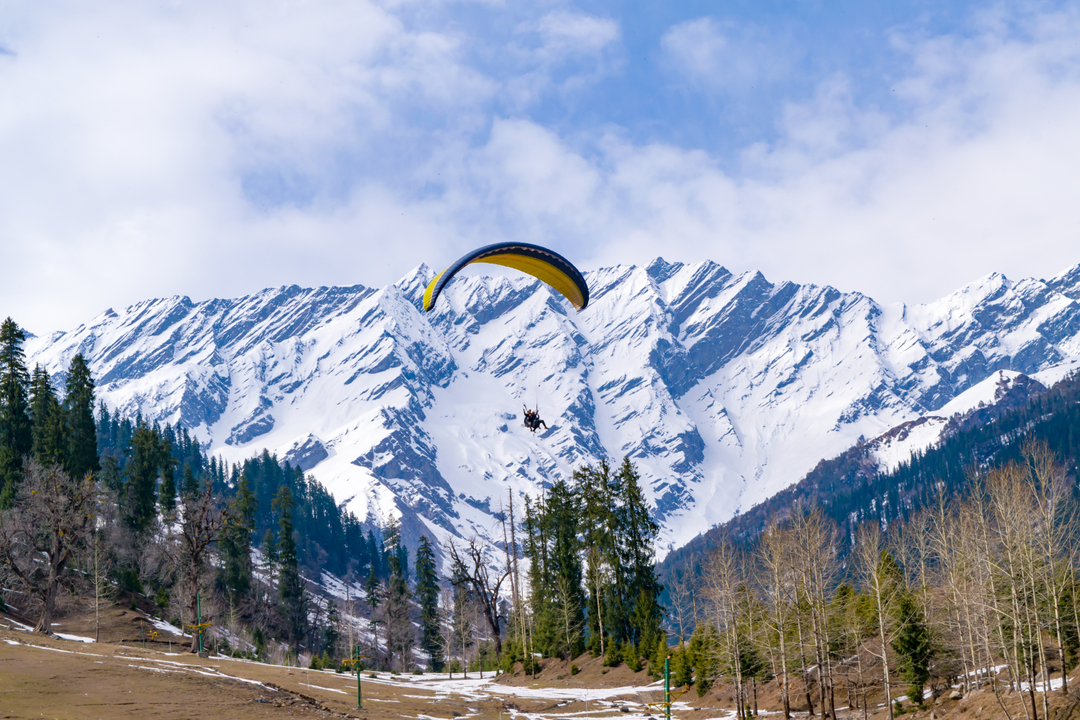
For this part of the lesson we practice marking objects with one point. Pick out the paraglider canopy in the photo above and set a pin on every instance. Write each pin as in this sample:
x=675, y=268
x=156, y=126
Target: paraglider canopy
x=545, y=265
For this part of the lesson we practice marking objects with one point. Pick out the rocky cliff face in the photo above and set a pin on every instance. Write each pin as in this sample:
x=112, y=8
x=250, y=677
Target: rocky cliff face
x=724, y=388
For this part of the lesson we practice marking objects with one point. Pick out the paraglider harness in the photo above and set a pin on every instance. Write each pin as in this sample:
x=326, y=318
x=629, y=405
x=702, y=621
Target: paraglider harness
x=532, y=419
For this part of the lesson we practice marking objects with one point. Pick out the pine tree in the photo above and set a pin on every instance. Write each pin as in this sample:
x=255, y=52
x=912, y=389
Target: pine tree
x=16, y=438
x=400, y=635
x=331, y=632
x=270, y=552
x=189, y=486
x=682, y=670
x=143, y=469
x=82, y=449
x=167, y=491
x=630, y=656
x=47, y=429
x=290, y=586
x=656, y=662
x=427, y=592
x=636, y=586
x=234, y=576
x=372, y=594
x=912, y=645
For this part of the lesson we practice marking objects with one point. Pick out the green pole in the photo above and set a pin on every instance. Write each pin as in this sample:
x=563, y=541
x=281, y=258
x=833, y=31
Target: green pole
x=198, y=606
x=667, y=688
x=357, y=666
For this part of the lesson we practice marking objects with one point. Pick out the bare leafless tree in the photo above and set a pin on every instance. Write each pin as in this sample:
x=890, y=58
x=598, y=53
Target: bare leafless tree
x=200, y=520
x=104, y=590
x=883, y=582
x=777, y=551
x=472, y=567
x=51, y=519
x=723, y=582
x=680, y=589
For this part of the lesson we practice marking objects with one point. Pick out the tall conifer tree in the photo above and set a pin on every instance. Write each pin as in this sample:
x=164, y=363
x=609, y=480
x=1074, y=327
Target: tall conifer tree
x=400, y=635
x=636, y=584
x=47, y=431
x=427, y=592
x=82, y=452
x=142, y=474
x=290, y=586
x=235, y=543
x=16, y=438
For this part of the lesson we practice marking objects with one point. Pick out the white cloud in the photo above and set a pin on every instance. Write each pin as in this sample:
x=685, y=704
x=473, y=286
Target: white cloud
x=980, y=176
x=727, y=56
x=212, y=152
x=561, y=51
x=148, y=149
x=569, y=33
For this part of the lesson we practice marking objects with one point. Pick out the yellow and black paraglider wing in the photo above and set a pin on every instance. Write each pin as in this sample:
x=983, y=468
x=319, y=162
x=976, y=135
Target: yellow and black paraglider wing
x=546, y=265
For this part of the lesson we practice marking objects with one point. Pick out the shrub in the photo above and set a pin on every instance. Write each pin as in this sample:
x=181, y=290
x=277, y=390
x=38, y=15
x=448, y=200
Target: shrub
x=612, y=654
x=574, y=669
x=630, y=656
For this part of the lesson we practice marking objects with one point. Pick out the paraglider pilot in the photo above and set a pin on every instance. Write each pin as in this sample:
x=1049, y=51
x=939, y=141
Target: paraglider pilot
x=532, y=419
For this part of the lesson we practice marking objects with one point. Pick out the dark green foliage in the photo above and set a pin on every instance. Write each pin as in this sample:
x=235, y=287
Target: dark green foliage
x=400, y=635
x=1071, y=639
x=612, y=653
x=234, y=540
x=427, y=593
x=167, y=490
x=82, y=445
x=373, y=594
x=149, y=453
x=16, y=436
x=630, y=656
x=636, y=585
x=704, y=653
x=330, y=538
x=290, y=586
x=912, y=646
x=331, y=633
x=656, y=660
x=592, y=566
x=682, y=670
x=189, y=486
x=49, y=440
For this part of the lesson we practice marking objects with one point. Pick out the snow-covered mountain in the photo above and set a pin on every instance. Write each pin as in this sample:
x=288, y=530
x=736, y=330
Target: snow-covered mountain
x=723, y=388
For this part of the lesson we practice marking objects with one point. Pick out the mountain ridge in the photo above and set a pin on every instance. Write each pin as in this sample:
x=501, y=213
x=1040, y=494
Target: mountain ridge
x=723, y=387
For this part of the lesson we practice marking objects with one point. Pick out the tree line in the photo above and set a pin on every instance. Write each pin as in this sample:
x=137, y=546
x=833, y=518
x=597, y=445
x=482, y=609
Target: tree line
x=979, y=589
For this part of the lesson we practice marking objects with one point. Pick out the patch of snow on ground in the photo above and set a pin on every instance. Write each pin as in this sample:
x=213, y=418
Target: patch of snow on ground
x=1053, y=375
x=168, y=627
x=891, y=451
x=982, y=392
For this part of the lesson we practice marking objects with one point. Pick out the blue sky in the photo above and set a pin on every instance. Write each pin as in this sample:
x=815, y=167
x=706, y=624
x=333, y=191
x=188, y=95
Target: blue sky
x=898, y=149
